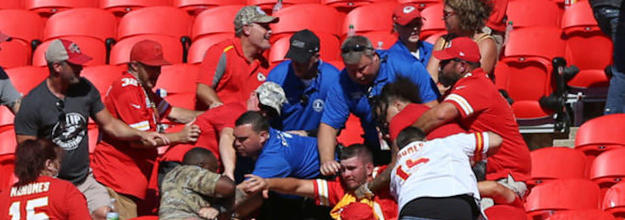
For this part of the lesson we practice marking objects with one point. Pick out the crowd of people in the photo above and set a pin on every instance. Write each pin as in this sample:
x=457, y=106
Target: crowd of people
x=440, y=142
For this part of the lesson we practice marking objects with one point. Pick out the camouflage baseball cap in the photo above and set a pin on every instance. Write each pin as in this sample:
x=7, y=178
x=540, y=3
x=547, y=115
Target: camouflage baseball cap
x=252, y=14
x=272, y=95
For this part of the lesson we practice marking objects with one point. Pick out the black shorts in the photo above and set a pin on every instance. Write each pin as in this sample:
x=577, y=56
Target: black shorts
x=456, y=207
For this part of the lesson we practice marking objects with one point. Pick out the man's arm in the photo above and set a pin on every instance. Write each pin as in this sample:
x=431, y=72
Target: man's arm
x=182, y=115
x=207, y=95
x=292, y=186
x=227, y=152
x=436, y=116
x=494, y=141
x=326, y=141
x=120, y=130
x=488, y=50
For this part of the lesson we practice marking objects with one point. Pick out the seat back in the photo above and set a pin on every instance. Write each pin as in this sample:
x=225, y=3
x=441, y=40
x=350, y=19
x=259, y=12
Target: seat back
x=533, y=13
x=608, y=168
x=505, y=212
x=217, y=20
x=200, y=46
x=556, y=163
x=11, y=4
x=175, y=78
x=172, y=49
x=601, y=134
x=433, y=22
x=121, y=7
x=102, y=76
x=543, y=42
x=362, y=22
x=329, y=48
x=92, y=47
x=315, y=17
x=582, y=215
x=24, y=27
x=163, y=20
x=91, y=22
x=614, y=200
x=27, y=77
x=421, y=4
x=195, y=7
x=49, y=7
x=562, y=194
x=268, y=5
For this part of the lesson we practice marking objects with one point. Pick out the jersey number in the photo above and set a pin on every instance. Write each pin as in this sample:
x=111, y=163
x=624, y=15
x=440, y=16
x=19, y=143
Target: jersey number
x=31, y=205
x=409, y=163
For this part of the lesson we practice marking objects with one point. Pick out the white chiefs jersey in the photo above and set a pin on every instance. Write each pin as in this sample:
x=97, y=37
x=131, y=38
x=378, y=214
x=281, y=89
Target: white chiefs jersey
x=437, y=168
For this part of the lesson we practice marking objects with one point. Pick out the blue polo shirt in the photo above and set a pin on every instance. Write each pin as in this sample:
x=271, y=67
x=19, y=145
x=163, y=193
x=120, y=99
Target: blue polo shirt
x=288, y=155
x=305, y=103
x=347, y=96
x=399, y=52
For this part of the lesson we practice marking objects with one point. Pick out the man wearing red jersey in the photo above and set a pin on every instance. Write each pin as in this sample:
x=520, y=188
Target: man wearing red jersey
x=474, y=101
x=38, y=194
x=125, y=167
x=357, y=169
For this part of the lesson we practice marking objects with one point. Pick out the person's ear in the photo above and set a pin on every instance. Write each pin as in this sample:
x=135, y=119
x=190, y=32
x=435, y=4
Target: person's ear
x=58, y=67
x=246, y=30
x=369, y=166
x=264, y=135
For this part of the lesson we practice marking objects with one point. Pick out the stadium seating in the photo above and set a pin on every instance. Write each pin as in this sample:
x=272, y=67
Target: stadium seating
x=195, y=7
x=200, y=46
x=49, y=7
x=102, y=76
x=421, y=4
x=601, y=134
x=121, y=7
x=92, y=47
x=614, y=200
x=27, y=77
x=24, y=27
x=556, y=163
x=6, y=118
x=505, y=212
x=179, y=82
x=583, y=214
x=381, y=39
x=608, y=168
x=564, y=194
x=11, y=4
x=172, y=49
x=162, y=20
x=362, y=22
x=218, y=20
x=433, y=22
x=347, y=5
x=268, y=5
x=315, y=17
x=434, y=37
x=533, y=13
x=329, y=48
x=91, y=22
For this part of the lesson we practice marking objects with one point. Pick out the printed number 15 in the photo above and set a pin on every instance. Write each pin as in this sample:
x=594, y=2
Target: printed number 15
x=409, y=163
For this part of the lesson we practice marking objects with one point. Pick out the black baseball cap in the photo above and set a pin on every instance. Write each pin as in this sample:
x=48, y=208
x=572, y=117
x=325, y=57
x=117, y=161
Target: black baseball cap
x=303, y=45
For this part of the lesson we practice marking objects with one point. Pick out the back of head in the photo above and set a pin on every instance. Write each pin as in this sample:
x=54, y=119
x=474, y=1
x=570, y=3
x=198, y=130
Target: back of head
x=199, y=156
x=402, y=90
x=354, y=47
x=256, y=119
x=30, y=159
x=472, y=13
x=409, y=135
x=271, y=97
x=356, y=150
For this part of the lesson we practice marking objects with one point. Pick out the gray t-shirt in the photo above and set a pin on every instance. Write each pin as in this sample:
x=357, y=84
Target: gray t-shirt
x=8, y=93
x=64, y=122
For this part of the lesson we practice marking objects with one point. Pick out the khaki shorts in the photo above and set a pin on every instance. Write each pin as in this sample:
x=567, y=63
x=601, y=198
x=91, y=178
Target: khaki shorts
x=96, y=193
x=124, y=205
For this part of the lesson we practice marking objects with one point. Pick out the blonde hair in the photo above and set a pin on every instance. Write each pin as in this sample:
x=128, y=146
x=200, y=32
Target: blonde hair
x=472, y=14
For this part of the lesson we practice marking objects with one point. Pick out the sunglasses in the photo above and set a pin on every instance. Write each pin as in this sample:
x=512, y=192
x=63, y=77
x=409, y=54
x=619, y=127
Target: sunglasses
x=355, y=48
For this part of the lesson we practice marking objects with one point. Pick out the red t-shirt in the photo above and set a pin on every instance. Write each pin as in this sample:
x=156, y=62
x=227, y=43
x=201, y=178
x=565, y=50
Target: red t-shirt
x=482, y=108
x=45, y=198
x=411, y=113
x=236, y=78
x=211, y=123
x=331, y=193
x=496, y=21
x=115, y=164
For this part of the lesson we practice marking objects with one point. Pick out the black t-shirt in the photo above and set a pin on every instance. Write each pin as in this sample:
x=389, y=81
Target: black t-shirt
x=64, y=122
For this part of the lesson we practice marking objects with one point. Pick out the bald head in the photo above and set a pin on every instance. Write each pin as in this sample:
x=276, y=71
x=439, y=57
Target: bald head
x=201, y=157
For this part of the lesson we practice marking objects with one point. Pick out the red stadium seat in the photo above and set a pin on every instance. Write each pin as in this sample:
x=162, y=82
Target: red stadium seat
x=587, y=47
x=421, y=3
x=608, y=168
x=352, y=133
x=329, y=48
x=434, y=37
x=505, y=212
x=533, y=13
x=161, y=20
x=11, y=4
x=92, y=47
x=172, y=49
x=218, y=20
x=175, y=78
x=315, y=17
x=6, y=118
x=121, y=7
x=433, y=22
x=381, y=39
x=49, y=7
x=601, y=134
x=7, y=158
x=583, y=214
x=564, y=194
x=24, y=27
x=147, y=217
x=556, y=163
x=362, y=22
x=347, y=5
x=336, y=63
x=195, y=7
x=614, y=200
x=182, y=100
x=268, y=5
x=102, y=76
x=91, y=22
x=200, y=46
x=27, y=77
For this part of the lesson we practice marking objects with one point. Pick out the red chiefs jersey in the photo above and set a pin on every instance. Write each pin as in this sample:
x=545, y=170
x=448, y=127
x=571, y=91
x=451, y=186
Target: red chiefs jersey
x=115, y=164
x=411, y=113
x=211, y=123
x=45, y=198
x=332, y=193
x=481, y=109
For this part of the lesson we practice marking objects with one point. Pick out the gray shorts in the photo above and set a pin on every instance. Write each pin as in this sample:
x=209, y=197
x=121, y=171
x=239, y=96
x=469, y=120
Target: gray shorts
x=96, y=193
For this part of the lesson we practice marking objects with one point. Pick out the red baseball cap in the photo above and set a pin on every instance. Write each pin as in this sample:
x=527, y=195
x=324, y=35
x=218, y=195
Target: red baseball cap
x=463, y=48
x=357, y=211
x=148, y=52
x=406, y=13
x=65, y=50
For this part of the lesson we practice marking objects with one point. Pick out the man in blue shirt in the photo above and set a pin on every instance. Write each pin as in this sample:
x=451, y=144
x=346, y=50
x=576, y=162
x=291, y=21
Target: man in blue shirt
x=366, y=72
x=306, y=81
x=407, y=22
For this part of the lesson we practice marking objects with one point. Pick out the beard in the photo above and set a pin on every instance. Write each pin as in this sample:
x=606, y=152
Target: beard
x=447, y=79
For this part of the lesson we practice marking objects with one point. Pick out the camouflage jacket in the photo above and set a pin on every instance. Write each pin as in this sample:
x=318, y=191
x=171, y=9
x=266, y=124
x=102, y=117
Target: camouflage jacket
x=185, y=190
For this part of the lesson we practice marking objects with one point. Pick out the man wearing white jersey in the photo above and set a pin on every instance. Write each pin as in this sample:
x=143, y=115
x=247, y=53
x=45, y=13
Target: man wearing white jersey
x=433, y=179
